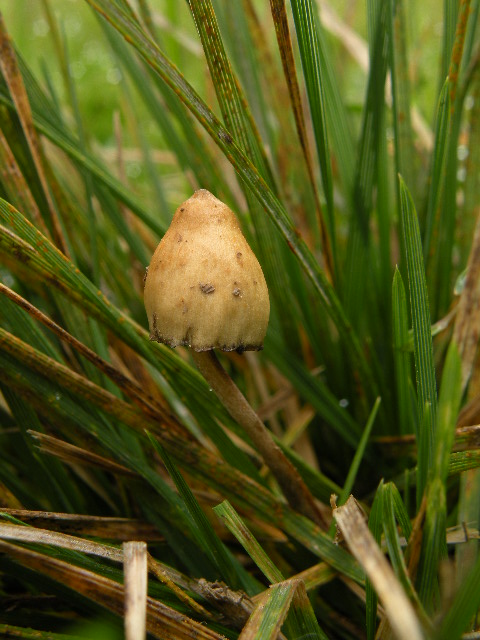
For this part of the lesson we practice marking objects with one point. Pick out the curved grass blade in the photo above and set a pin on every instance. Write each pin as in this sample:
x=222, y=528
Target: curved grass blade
x=235, y=112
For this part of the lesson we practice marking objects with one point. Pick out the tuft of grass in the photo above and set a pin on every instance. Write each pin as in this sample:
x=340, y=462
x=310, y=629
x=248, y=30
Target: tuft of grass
x=345, y=137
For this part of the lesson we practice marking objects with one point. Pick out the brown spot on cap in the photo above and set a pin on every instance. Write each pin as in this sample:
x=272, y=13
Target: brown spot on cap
x=206, y=288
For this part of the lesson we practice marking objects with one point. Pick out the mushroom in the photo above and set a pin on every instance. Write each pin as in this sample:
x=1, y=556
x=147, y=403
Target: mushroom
x=205, y=289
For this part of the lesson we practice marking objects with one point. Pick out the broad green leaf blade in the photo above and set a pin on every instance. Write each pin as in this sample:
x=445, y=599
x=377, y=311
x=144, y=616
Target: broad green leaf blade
x=422, y=337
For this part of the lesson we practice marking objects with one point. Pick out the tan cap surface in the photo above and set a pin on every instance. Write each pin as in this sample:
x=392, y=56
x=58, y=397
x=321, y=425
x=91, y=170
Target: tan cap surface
x=204, y=287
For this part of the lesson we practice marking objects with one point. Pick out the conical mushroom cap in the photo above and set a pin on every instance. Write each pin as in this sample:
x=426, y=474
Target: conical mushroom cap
x=204, y=287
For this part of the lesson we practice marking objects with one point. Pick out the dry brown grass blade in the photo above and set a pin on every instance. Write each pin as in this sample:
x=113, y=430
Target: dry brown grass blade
x=13, y=78
x=466, y=438
x=135, y=580
x=162, y=621
x=398, y=609
x=73, y=455
x=83, y=525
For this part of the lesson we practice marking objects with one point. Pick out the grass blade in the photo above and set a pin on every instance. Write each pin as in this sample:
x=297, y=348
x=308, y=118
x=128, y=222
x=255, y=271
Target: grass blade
x=422, y=337
x=434, y=543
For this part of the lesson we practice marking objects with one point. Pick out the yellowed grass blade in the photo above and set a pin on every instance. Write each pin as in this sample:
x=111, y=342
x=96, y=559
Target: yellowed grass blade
x=135, y=575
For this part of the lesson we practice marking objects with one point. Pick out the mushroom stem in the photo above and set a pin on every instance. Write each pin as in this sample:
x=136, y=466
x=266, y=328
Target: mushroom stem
x=290, y=481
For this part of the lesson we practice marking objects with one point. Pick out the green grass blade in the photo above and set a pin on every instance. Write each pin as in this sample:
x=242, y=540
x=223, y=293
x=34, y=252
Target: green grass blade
x=302, y=621
x=269, y=615
x=442, y=126
x=406, y=158
x=308, y=37
x=446, y=236
x=361, y=263
x=392, y=504
x=359, y=453
x=206, y=537
x=434, y=542
x=236, y=115
x=373, y=118
x=423, y=349
x=248, y=541
x=406, y=418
